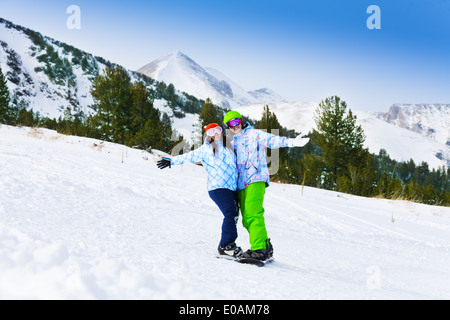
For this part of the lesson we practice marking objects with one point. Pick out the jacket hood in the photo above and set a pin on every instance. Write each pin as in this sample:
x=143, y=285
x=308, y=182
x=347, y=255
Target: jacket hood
x=248, y=126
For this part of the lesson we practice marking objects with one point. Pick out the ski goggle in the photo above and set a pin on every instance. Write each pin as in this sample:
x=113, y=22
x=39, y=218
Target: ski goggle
x=211, y=132
x=234, y=122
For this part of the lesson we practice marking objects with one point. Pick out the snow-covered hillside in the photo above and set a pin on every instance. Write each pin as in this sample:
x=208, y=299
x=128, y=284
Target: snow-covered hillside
x=31, y=86
x=81, y=219
x=401, y=144
x=188, y=76
x=49, y=76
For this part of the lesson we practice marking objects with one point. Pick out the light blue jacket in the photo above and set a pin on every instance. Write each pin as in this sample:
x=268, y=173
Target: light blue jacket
x=221, y=167
x=249, y=146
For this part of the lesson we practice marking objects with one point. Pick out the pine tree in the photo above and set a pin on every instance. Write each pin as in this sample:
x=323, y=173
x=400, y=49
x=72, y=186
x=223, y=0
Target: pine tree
x=171, y=97
x=339, y=138
x=112, y=95
x=421, y=172
x=394, y=188
x=142, y=107
x=279, y=166
x=369, y=176
x=209, y=114
x=382, y=186
x=125, y=113
x=150, y=135
x=269, y=121
x=167, y=127
x=152, y=130
x=314, y=165
x=5, y=116
x=26, y=118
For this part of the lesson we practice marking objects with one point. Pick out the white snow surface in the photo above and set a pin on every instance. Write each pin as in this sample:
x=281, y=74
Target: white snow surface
x=81, y=219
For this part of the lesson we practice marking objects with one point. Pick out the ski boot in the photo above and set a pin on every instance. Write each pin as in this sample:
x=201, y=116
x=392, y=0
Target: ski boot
x=264, y=255
x=231, y=252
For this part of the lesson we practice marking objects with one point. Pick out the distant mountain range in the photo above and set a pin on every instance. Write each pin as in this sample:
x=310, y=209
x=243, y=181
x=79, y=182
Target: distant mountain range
x=188, y=76
x=431, y=120
x=52, y=77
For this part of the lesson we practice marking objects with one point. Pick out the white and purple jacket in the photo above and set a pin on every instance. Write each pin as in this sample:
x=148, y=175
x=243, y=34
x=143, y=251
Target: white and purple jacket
x=249, y=146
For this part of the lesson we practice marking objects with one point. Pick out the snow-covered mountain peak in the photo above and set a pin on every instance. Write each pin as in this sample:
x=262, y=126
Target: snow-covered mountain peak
x=188, y=76
x=175, y=59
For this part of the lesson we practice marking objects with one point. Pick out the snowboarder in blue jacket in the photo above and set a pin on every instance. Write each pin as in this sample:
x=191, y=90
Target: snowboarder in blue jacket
x=220, y=164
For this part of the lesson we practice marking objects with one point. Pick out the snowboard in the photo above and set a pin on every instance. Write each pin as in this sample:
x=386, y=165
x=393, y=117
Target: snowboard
x=251, y=261
x=255, y=262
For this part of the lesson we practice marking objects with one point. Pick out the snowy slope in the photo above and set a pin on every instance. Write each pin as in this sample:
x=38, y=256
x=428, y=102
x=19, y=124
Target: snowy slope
x=401, y=144
x=84, y=220
x=188, y=76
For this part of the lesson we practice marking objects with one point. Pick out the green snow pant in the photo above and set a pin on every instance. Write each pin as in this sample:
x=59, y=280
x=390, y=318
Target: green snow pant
x=251, y=201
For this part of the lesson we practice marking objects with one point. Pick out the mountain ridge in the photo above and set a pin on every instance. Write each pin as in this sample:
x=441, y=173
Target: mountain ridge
x=431, y=120
x=203, y=82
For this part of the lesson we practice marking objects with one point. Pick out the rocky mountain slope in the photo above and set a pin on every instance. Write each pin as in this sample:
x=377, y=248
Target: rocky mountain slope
x=431, y=120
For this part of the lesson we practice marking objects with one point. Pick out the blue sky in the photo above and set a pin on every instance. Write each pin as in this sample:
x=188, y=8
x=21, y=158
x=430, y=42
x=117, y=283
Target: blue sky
x=304, y=50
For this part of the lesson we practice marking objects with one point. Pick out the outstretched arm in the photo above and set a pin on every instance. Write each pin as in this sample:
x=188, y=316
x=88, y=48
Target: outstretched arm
x=273, y=142
x=190, y=157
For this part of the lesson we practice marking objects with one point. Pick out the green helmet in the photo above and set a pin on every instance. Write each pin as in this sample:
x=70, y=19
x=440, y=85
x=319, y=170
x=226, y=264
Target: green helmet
x=230, y=116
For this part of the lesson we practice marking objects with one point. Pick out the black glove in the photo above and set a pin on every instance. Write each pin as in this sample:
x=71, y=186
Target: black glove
x=164, y=163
